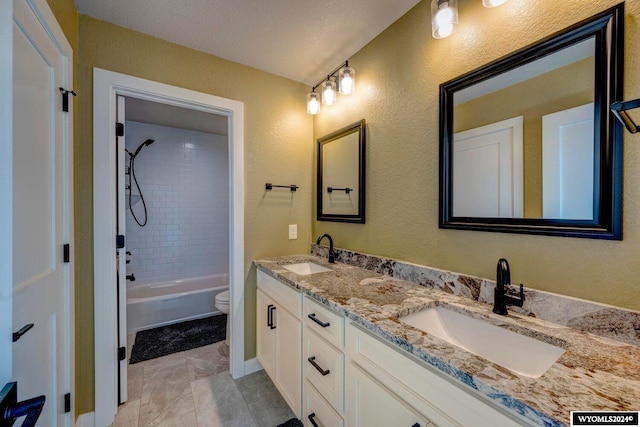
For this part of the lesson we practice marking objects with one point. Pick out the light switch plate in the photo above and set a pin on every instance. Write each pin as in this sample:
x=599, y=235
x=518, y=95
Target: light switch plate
x=293, y=231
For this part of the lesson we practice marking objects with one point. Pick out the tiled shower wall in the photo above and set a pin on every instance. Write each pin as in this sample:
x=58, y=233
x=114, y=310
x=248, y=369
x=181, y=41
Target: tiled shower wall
x=184, y=177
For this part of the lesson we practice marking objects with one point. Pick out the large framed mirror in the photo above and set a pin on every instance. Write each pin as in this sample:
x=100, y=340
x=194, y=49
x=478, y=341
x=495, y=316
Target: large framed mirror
x=528, y=143
x=341, y=175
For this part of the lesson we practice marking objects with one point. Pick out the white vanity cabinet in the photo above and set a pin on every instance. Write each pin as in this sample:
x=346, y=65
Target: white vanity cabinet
x=279, y=337
x=333, y=373
x=378, y=373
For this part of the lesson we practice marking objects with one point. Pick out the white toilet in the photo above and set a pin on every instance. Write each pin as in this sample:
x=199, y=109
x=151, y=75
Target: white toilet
x=222, y=304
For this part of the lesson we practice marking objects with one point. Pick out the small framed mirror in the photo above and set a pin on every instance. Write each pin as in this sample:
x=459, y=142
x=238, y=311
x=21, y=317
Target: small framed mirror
x=528, y=143
x=341, y=175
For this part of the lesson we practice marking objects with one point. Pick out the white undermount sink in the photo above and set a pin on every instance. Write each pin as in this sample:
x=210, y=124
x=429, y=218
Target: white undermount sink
x=305, y=268
x=518, y=353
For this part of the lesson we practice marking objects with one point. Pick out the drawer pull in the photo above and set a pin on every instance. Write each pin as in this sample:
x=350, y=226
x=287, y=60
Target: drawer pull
x=324, y=372
x=313, y=317
x=311, y=419
x=270, y=309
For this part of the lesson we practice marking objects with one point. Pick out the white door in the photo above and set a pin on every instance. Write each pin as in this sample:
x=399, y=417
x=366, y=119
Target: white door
x=488, y=171
x=568, y=164
x=41, y=212
x=121, y=255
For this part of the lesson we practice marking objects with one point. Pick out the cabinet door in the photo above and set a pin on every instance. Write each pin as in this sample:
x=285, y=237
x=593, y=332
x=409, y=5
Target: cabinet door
x=370, y=404
x=266, y=335
x=288, y=354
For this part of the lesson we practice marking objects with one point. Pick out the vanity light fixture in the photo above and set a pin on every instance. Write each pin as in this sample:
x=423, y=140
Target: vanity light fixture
x=342, y=79
x=493, y=3
x=444, y=15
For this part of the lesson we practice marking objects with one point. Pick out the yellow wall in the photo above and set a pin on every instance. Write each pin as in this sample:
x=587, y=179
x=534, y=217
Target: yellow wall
x=399, y=74
x=278, y=149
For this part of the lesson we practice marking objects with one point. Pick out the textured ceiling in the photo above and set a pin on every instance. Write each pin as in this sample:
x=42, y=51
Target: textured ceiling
x=298, y=39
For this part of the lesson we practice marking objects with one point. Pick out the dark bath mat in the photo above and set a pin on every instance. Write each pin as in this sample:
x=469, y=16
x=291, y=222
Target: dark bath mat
x=293, y=422
x=164, y=340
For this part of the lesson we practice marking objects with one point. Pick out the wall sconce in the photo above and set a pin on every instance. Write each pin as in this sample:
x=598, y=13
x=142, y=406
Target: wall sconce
x=493, y=3
x=342, y=79
x=444, y=14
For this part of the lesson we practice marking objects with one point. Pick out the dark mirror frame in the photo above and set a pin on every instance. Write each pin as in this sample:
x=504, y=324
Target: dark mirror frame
x=608, y=29
x=360, y=216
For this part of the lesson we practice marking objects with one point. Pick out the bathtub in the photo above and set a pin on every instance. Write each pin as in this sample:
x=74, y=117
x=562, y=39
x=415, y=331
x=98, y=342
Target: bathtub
x=157, y=304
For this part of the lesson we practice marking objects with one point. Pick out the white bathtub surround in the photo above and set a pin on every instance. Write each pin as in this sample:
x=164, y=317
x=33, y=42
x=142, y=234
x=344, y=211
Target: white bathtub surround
x=601, y=319
x=184, y=177
x=163, y=303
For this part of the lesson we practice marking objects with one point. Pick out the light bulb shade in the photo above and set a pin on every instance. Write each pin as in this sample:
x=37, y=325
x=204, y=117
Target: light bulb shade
x=329, y=92
x=347, y=80
x=444, y=15
x=493, y=3
x=313, y=103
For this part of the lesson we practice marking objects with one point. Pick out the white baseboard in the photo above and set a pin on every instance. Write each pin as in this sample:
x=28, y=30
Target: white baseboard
x=86, y=420
x=251, y=366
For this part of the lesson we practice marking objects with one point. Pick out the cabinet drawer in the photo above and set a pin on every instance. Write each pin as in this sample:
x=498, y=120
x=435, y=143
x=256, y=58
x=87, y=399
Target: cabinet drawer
x=285, y=296
x=318, y=410
x=323, y=321
x=324, y=368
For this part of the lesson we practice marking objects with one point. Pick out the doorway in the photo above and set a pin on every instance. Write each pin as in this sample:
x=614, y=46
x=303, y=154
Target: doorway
x=107, y=87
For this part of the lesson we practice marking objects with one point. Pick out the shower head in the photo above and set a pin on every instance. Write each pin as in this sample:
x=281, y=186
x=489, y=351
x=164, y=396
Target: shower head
x=144, y=144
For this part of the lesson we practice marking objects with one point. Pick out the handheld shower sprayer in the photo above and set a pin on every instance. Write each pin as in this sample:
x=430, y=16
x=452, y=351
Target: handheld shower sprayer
x=132, y=174
x=140, y=147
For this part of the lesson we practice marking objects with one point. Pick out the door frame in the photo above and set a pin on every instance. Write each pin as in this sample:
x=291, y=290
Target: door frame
x=6, y=188
x=106, y=85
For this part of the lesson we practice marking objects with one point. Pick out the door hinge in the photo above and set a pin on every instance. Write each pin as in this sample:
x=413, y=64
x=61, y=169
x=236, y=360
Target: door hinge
x=119, y=241
x=67, y=403
x=122, y=353
x=65, y=98
x=119, y=129
x=66, y=249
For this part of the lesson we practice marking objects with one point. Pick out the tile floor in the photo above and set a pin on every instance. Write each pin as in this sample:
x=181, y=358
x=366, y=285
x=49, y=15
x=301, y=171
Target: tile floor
x=194, y=388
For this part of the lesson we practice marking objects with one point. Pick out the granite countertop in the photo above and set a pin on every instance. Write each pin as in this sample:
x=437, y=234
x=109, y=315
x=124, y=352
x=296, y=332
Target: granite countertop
x=593, y=374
